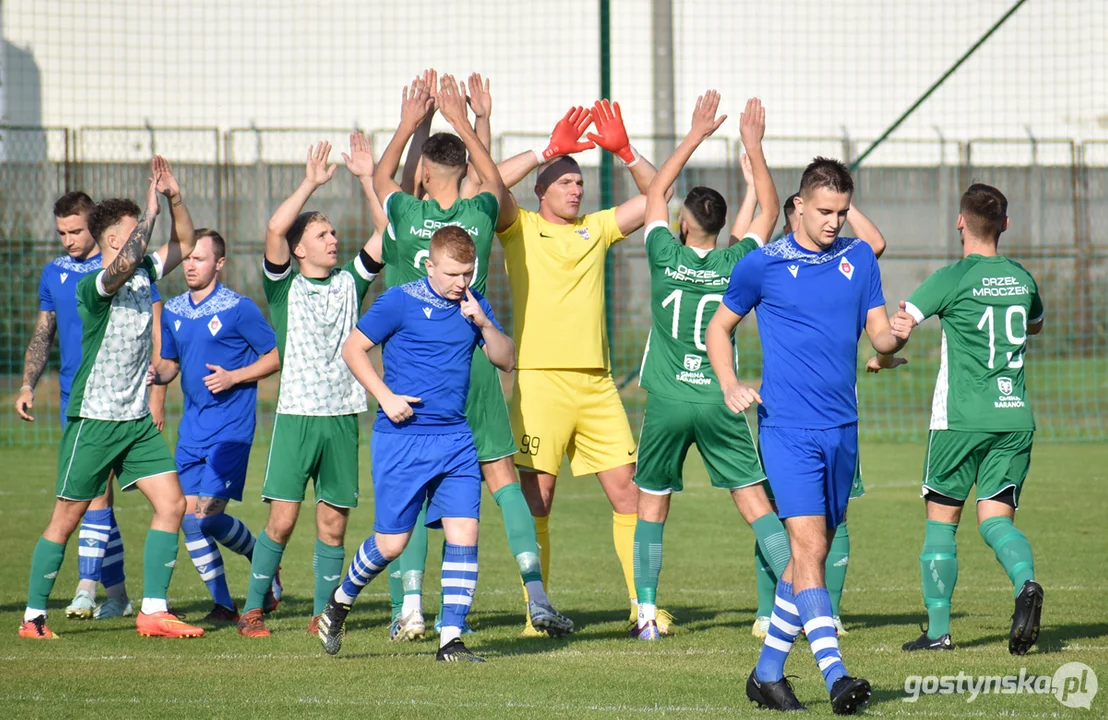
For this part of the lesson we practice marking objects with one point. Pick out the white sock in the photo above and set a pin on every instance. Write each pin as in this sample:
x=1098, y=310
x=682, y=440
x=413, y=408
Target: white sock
x=88, y=586
x=31, y=613
x=343, y=597
x=647, y=612
x=536, y=592
x=412, y=603
x=448, y=635
x=153, y=605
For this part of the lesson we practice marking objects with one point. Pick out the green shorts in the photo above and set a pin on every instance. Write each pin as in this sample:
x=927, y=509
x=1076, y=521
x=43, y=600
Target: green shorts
x=487, y=411
x=670, y=427
x=856, y=488
x=994, y=461
x=92, y=449
x=324, y=448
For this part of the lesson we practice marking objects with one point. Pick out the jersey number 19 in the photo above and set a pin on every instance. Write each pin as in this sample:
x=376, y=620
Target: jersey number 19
x=1018, y=342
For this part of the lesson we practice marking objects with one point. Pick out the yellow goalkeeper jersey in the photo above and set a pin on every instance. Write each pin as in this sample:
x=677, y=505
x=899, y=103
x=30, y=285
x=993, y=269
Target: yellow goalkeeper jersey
x=556, y=273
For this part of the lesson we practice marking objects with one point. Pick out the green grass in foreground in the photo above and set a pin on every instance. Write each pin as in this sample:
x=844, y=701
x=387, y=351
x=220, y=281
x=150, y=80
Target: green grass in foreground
x=104, y=669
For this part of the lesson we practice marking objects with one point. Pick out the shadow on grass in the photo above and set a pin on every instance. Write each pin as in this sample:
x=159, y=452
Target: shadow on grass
x=1052, y=639
x=910, y=621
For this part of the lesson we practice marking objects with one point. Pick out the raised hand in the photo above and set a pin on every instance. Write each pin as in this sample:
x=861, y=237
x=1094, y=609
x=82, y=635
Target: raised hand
x=360, y=160
x=752, y=123
x=877, y=363
x=397, y=407
x=566, y=137
x=704, y=121
x=739, y=397
x=451, y=101
x=479, y=97
x=417, y=100
x=317, y=172
x=152, y=206
x=167, y=183
x=472, y=311
x=748, y=171
x=610, y=132
x=430, y=82
x=902, y=323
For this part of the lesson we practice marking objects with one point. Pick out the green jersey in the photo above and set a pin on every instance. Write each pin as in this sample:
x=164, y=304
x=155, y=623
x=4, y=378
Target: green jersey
x=116, y=342
x=686, y=287
x=312, y=318
x=413, y=221
x=985, y=305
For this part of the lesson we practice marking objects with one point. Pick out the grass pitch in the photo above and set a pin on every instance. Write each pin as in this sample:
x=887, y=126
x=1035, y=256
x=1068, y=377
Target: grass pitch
x=104, y=669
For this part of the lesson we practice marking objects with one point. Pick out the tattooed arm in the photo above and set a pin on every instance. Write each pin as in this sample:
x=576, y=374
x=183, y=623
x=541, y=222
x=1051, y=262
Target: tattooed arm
x=123, y=267
x=34, y=361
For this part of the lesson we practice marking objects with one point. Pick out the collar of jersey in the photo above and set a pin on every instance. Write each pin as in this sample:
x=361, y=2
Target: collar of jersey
x=90, y=263
x=788, y=249
x=319, y=281
x=215, y=291
x=421, y=290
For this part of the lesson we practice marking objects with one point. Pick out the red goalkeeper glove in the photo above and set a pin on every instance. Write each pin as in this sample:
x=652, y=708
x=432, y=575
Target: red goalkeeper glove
x=610, y=133
x=566, y=138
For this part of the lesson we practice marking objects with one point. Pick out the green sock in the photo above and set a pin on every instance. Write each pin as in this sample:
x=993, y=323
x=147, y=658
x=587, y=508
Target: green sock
x=263, y=566
x=838, y=557
x=1011, y=548
x=520, y=529
x=939, y=571
x=770, y=534
x=396, y=589
x=766, y=583
x=158, y=559
x=648, y=560
x=45, y=564
x=327, y=565
x=413, y=561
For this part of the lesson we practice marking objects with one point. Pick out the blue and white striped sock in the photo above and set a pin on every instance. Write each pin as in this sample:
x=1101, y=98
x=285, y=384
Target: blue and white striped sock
x=96, y=527
x=459, y=581
x=815, y=610
x=111, y=573
x=209, y=563
x=784, y=627
x=230, y=532
x=366, y=564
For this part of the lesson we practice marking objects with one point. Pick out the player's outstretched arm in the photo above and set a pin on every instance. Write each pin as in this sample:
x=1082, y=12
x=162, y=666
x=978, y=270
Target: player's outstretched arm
x=480, y=102
x=888, y=335
x=880, y=362
x=499, y=348
x=451, y=102
x=409, y=174
x=162, y=371
x=360, y=163
x=564, y=140
x=752, y=128
x=182, y=234
x=721, y=354
x=704, y=123
x=415, y=105
x=34, y=361
x=156, y=401
x=611, y=134
x=221, y=380
x=866, y=231
x=745, y=215
x=316, y=173
x=127, y=262
x=355, y=353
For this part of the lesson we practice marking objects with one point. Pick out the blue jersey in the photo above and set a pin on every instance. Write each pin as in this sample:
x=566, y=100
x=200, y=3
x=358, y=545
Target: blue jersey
x=225, y=329
x=811, y=311
x=57, y=293
x=427, y=350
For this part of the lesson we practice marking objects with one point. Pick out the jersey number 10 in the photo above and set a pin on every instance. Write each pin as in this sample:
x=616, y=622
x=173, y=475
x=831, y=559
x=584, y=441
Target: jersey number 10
x=1019, y=343
x=698, y=326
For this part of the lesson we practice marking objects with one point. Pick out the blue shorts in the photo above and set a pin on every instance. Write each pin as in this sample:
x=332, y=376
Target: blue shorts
x=218, y=470
x=810, y=471
x=409, y=469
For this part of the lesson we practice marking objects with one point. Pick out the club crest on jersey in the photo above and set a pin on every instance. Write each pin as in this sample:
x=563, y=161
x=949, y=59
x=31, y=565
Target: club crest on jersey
x=1004, y=385
x=583, y=232
x=692, y=362
x=176, y=324
x=63, y=277
x=793, y=269
x=846, y=269
x=214, y=325
x=427, y=312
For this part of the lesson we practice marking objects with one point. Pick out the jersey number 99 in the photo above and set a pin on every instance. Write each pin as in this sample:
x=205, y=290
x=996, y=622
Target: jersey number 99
x=529, y=445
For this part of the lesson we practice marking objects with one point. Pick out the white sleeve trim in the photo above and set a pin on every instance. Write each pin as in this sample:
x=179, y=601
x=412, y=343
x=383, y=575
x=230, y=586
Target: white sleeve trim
x=100, y=285
x=652, y=227
x=756, y=238
x=362, y=270
x=914, y=312
x=278, y=276
x=1035, y=321
x=159, y=266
